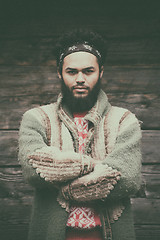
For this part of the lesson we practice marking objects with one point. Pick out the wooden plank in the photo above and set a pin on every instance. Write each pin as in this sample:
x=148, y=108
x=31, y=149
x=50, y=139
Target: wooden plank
x=151, y=181
x=28, y=52
x=146, y=211
x=13, y=186
x=145, y=106
x=12, y=108
x=106, y=20
x=147, y=232
x=151, y=168
x=12, y=183
x=27, y=80
x=9, y=148
x=131, y=79
x=152, y=185
x=15, y=218
x=41, y=80
x=119, y=8
x=150, y=148
x=39, y=51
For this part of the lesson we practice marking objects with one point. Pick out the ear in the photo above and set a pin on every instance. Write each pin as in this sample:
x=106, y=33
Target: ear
x=101, y=71
x=59, y=75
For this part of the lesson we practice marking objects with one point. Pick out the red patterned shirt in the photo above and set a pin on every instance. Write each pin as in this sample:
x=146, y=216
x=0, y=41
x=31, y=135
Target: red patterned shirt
x=82, y=216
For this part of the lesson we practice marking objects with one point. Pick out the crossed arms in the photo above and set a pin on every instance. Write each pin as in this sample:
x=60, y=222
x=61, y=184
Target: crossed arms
x=80, y=177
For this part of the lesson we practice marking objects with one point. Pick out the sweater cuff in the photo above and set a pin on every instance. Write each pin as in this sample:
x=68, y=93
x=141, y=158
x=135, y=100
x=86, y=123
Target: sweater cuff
x=66, y=192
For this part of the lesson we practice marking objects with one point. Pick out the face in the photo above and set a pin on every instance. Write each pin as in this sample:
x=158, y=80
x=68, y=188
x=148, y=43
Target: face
x=80, y=73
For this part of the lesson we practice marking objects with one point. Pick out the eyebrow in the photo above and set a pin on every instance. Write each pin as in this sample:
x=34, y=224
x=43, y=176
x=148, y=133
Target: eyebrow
x=72, y=69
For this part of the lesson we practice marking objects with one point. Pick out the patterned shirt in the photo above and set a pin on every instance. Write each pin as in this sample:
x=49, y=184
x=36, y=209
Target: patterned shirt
x=82, y=216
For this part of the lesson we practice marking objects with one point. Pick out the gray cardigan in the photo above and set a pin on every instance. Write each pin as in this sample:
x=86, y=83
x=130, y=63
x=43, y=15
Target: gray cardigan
x=106, y=175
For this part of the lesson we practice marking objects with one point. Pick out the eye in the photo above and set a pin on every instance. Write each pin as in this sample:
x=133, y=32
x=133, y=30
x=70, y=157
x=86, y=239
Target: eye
x=71, y=72
x=88, y=71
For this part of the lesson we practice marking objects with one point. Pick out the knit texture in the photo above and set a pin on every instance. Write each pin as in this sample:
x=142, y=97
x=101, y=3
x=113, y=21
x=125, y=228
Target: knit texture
x=113, y=144
x=54, y=165
x=96, y=185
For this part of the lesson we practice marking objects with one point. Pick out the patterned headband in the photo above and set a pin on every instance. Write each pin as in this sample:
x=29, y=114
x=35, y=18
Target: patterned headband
x=79, y=47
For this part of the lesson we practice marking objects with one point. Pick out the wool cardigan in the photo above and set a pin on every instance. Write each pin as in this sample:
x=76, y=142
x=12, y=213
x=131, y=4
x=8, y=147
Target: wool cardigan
x=105, y=176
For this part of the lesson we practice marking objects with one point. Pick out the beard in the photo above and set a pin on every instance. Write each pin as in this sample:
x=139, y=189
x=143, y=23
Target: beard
x=82, y=103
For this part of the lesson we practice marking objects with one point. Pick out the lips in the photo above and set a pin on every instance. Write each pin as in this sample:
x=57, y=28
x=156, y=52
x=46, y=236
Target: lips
x=80, y=88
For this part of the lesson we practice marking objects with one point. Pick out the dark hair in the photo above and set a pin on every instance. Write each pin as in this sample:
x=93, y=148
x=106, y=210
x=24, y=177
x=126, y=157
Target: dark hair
x=80, y=36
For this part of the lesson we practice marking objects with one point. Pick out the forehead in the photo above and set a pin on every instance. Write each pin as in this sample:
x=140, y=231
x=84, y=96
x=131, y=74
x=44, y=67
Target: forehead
x=80, y=60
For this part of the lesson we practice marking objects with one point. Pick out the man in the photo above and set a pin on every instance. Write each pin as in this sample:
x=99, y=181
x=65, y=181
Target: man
x=81, y=154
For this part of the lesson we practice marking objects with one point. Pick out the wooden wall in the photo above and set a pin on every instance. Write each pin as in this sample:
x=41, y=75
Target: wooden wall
x=28, y=78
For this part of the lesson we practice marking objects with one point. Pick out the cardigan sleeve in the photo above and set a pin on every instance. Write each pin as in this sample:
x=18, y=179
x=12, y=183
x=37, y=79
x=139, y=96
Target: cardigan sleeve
x=124, y=158
x=31, y=137
x=41, y=162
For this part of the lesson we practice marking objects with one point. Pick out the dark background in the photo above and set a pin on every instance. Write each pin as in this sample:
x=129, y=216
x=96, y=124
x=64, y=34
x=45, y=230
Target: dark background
x=28, y=31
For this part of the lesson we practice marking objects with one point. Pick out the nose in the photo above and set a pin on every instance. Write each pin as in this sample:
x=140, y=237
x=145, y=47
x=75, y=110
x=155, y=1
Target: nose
x=80, y=78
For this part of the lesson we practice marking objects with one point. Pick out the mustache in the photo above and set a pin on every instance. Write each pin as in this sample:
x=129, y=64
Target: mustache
x=79, y=104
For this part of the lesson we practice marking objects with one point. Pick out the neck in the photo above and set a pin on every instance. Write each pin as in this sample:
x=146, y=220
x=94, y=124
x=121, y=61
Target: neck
x=79, y=114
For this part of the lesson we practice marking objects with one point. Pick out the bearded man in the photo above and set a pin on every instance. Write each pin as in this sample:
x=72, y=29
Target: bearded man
x=81, y=154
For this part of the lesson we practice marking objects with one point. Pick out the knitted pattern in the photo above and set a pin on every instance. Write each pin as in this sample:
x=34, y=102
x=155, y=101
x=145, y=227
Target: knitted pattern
x=82, y=127
x=118, y=154
x=82, y=217
x=54, y=165
x=96, y=185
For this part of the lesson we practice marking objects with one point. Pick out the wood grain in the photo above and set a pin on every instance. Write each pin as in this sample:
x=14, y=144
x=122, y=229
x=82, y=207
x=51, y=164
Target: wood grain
x=9, y=148
x=150, y=146
x=33, y=80
x=13, y=186
x=15, y=218
x=12, y=183
x=115, y=21
x=136, y=88
x=146, y=211
x=147, y=232
x=145, y=106
x=38, y=51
